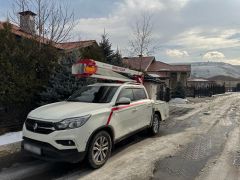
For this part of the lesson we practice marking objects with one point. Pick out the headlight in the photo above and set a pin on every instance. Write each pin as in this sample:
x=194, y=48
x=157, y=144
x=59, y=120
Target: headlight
x=72, y=123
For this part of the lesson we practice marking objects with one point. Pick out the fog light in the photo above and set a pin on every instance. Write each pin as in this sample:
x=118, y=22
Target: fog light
x=65, y=142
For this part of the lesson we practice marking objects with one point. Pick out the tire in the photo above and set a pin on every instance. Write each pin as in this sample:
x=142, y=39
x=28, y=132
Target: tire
x=99, y=149
x=154, y=129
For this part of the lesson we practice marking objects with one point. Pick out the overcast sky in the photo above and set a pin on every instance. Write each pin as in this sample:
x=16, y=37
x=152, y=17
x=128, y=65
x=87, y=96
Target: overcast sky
x=184, y=30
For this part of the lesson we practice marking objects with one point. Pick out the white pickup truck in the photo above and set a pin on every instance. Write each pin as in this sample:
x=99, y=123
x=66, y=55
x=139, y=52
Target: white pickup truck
x=90, y=122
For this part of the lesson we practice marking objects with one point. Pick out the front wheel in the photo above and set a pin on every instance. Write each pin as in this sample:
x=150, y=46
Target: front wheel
x=154, y=129
x=99, y=149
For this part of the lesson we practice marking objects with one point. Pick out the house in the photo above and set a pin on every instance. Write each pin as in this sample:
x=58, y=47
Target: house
x=168, y=73
x=27, y=30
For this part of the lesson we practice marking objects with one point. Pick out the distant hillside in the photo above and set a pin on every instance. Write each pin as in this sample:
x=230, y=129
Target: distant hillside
x=211, y=69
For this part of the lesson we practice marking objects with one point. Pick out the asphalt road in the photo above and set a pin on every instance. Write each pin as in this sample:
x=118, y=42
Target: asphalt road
x=189, y=163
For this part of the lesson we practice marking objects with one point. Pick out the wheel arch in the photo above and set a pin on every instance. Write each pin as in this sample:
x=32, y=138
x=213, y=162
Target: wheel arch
x=159, y=114
x=108, y=129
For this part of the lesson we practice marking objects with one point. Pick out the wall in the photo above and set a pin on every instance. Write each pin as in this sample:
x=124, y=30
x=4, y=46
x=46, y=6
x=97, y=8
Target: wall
x=178, y=76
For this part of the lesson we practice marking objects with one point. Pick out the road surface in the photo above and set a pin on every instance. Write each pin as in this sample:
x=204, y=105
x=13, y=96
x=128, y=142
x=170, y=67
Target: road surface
x=199, y=141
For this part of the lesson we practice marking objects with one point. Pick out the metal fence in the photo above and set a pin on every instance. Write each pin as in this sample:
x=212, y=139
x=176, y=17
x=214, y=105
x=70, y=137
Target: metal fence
x=205, y=91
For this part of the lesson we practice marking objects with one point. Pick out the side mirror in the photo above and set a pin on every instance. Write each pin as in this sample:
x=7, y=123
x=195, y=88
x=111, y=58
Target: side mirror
x=123, y=101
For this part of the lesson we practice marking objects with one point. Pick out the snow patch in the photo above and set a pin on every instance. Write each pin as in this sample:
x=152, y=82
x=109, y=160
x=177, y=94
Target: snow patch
x=9, y=138
x=179, y=101
x=211, y=69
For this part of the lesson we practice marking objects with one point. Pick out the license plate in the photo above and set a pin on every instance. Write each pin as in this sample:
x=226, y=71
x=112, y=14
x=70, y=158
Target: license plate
x=33, y=149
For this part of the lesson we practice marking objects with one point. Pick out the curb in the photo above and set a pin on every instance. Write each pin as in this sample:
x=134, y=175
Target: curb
x=10, y=148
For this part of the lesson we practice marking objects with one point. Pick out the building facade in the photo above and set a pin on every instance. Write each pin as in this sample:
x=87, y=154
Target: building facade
x=170, y=74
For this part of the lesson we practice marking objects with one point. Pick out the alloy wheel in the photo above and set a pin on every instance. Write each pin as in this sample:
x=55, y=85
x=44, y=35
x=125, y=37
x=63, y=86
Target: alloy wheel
x=100, y=150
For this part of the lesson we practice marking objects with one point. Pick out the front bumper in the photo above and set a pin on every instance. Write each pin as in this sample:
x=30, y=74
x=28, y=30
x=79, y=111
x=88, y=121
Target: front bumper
x=50, y=153
x=79, y=136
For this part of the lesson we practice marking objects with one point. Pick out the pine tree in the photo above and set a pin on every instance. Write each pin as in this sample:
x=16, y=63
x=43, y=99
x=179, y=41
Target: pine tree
x=106, y=48
x=117, y=58
x=179, y=91
x=92, y=52
x=62, y=83
x=25, y=68
x=109, y=55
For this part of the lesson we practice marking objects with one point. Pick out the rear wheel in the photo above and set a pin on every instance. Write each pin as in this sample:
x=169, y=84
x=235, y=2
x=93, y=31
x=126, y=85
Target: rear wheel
x=154, y=129
x=99, y=150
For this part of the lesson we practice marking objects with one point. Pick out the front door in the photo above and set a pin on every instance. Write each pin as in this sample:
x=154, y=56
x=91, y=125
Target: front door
x=124, y=116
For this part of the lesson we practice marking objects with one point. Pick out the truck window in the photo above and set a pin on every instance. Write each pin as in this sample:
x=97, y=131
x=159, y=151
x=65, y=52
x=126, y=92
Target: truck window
x=94, y=94
x=127, y=93
x=139, y=93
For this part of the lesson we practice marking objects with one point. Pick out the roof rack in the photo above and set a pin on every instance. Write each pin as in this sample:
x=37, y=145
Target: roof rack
x=95, y=69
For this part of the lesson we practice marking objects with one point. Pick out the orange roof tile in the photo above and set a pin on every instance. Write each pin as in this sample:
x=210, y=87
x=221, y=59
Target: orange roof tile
x=135, y=62
x=75, y=45
x=161, y=66
x=64, y=46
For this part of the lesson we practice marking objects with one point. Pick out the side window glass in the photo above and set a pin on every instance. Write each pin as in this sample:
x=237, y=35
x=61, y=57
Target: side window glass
x=127, y=93
x=139, y=94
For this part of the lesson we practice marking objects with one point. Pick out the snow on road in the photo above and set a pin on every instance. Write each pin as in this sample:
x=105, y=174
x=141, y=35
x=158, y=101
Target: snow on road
x=178, y=101
x=227, y=165
x=138, y=161
x=10, y=138
x=191, y=160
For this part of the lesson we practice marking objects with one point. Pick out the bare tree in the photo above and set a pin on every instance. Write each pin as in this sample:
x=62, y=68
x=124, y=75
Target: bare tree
x=142, y=42
x=53, y=22
x=17, y=6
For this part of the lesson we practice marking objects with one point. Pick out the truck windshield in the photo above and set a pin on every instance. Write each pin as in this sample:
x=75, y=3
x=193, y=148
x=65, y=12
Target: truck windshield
x=94, y=94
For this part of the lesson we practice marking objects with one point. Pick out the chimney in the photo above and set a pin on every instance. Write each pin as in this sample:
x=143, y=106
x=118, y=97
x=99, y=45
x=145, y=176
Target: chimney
x=27, y=21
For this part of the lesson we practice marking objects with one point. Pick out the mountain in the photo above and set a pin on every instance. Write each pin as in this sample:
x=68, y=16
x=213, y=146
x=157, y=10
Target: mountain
x=211, y=69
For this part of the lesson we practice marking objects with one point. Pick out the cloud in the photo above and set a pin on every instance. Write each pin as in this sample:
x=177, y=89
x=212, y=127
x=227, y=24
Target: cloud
x=137, y=7
x=176, y=53
x=213, y=55
x=201, y=38
x=182, y=26
x=235, y=61
x=119, y=21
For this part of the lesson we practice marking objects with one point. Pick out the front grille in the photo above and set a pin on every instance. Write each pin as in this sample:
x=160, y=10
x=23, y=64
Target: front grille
x=40, y=127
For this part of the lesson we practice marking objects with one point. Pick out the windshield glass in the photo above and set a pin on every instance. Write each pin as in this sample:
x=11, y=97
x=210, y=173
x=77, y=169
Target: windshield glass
x=94, y=94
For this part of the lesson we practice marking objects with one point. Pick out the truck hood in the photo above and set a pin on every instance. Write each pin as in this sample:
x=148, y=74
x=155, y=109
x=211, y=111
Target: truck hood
x=62, y=110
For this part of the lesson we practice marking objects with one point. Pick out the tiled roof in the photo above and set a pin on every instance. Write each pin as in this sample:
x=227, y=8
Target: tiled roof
x=161, y=66
x=149, y=64
x=160, y=74
x=17, y=31
x=181, y=68
x=75, y=45
x=137, y=62
x=64, y=46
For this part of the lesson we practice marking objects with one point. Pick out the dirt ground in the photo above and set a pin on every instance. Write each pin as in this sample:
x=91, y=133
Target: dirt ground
x=200, y=140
